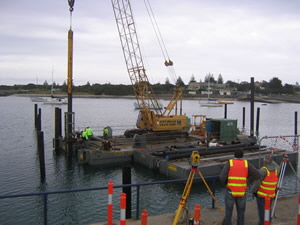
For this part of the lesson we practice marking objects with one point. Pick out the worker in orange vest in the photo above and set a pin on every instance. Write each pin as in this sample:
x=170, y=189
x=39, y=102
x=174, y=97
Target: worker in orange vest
x=235, y=175
x=265, y=186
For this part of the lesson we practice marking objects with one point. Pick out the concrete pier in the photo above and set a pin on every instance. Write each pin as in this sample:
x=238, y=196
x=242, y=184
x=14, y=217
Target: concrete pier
x=285, y=214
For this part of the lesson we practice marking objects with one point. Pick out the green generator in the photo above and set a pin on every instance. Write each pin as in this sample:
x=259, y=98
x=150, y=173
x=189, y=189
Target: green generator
x=223, y=130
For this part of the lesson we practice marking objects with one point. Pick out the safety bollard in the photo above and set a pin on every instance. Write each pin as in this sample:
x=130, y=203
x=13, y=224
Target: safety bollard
x=197, y=215
x=298, y=222
x=123, y=209
x=144, y=217
x=110, y=205
x=267, y=211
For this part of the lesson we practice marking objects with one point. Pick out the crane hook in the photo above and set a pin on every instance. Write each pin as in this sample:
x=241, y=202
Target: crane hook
x=71, y=4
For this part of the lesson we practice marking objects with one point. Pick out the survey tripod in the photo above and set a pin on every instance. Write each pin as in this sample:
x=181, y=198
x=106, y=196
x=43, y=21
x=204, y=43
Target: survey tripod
x=195, y=162
x=282, y=166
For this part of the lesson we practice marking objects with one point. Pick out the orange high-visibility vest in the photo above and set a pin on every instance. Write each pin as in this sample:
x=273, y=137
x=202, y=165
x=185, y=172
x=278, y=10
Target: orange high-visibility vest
x=237, y=177
x=268, y=184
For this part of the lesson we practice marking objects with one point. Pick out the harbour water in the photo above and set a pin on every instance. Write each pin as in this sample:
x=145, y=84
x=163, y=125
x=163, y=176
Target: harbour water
x=19, y=164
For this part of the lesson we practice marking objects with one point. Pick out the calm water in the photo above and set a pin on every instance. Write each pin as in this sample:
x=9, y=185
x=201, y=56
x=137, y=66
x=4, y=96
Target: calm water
x=19, y=165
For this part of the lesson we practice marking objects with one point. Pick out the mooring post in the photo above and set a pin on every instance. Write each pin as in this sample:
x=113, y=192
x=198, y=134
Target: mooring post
x=35, y=115
x=257, y=121
x=296, y=122
x=225, y=111
x=252, y=107
x=296, y=141
x=39, y=120
x=126, y=176
x=57, y=129
x=214, y=192
x=244, y=113
x=40, y=135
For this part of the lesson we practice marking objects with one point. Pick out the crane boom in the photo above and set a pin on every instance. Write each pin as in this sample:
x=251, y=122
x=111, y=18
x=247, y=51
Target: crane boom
x=148, y=119
x=132, y=54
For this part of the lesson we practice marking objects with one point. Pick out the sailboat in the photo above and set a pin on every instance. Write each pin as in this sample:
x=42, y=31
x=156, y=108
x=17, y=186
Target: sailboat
x=210, y=101
x=55, y=100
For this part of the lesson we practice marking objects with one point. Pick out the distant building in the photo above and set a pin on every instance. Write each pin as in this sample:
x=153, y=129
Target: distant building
x=192, y=92
x=208, y=88
x=225, y=92
x=194, y=86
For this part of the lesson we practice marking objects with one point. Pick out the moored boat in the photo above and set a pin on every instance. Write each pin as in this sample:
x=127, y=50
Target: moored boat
x=55, y=101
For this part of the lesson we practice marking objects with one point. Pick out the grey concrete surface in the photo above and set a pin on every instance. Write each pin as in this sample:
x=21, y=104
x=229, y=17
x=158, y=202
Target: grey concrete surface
x=285, y=214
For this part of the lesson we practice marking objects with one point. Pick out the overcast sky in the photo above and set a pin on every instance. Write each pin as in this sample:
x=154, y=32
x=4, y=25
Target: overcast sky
x=238, y=39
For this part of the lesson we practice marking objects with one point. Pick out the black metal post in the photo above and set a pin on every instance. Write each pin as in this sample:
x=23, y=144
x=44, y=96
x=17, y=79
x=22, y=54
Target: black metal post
x=41, y=151
x=126, y=175
x=296, y=129
x=296, y=122
x=252, y=107
x=214, y=193
x=225, y=111
x=57, y=129
x=137, y=202
x=244, y=113
x=257, y=121
x=35, y=115
x=39, y=120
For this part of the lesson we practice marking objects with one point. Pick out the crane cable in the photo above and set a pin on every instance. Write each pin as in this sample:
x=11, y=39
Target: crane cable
x=71, y=4
x=160, y=40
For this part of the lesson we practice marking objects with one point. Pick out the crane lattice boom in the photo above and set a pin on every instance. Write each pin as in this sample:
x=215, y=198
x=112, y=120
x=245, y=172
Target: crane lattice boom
x=148, y=119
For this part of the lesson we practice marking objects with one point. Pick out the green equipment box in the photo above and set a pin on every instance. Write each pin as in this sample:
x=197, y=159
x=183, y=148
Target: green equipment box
x=224, y=130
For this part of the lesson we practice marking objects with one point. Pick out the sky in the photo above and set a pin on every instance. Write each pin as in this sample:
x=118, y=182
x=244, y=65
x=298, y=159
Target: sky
x=238, y=39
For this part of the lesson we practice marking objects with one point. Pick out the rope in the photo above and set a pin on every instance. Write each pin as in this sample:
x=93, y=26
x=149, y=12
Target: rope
x=168, y=61
x=157, y=30
x=289, y=143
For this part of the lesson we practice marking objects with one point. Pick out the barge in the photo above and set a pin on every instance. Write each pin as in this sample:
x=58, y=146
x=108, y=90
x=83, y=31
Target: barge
x=172, y=159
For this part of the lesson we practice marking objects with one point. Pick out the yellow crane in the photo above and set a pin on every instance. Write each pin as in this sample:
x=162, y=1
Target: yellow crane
x=164, y=121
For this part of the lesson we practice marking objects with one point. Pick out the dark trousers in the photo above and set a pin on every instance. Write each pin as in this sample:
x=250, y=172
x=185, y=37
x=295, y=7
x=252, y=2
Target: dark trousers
x=240, y=203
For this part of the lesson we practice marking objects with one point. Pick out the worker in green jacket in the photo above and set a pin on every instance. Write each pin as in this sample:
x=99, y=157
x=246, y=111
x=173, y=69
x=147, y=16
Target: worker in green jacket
x=85, y=138
x=105, y=133
x=89, y=132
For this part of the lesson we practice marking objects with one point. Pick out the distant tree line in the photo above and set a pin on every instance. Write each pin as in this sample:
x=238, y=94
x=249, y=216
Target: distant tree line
x=274, y=86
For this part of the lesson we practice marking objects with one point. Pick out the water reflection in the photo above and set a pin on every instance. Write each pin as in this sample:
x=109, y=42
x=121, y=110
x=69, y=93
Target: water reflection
x=19, y=165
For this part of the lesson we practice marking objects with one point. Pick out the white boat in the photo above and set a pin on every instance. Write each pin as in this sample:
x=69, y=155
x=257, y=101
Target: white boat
x=55, y=101
x=38, y=99
x=212, y=103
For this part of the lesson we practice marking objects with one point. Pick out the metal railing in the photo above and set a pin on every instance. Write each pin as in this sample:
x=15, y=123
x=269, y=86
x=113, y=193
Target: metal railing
x=45, y=194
